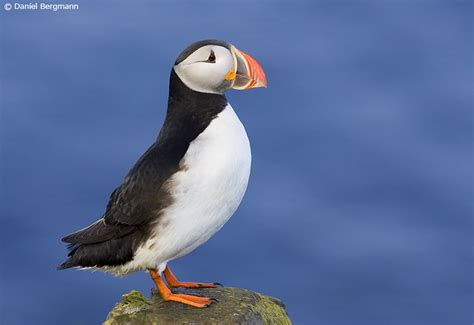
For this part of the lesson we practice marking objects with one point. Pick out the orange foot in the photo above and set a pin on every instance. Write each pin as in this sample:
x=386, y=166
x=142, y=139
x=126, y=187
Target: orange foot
x=174, y=283
x=167, y=295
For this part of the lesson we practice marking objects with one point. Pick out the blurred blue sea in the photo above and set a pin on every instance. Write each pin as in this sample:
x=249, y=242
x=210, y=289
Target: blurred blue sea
x=359, y=207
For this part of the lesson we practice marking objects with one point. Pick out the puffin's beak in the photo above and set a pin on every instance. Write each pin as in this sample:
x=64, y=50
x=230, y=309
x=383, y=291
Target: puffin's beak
x=249, y=73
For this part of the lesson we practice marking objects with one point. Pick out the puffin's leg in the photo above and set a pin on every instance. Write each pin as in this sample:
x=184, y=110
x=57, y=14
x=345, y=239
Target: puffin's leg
x=167, y=295
x=173, y=282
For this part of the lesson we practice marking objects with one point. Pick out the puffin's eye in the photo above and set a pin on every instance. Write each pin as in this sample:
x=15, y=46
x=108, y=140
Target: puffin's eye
x=212, y=57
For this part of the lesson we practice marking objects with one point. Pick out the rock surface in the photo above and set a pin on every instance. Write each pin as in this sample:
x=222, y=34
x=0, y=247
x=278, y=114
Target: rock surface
x=234, y=306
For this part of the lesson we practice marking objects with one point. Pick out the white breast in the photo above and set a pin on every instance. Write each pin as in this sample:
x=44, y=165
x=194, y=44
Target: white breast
x=206, y=192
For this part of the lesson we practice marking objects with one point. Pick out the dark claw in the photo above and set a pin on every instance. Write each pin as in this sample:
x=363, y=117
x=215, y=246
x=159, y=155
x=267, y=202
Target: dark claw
x=214, y=299
x=218, y=284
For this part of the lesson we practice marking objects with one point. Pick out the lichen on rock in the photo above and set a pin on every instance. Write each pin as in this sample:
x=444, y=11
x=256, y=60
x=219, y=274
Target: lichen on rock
x=234, y=306
x=132, y=304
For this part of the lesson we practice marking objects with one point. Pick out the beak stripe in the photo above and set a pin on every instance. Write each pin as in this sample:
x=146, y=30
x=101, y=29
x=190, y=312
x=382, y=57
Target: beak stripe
x=256, y=74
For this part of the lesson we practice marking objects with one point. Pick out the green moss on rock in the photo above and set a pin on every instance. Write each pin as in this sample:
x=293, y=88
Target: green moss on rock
x=235, y=306
x=271, y=310
x=129, y=309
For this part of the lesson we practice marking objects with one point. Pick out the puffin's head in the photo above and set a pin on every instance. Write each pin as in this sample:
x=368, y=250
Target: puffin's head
x=213, y=66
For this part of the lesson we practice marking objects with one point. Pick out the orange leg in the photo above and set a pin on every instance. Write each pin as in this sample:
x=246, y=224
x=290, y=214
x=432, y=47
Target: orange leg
x=167, y=295
x=173, y=282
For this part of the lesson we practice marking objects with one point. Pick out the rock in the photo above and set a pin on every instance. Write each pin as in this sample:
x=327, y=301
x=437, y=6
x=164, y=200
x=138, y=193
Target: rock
x=234, y=306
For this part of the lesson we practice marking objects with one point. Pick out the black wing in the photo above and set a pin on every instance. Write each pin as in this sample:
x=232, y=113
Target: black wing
x=98, y=232
x=138, y=200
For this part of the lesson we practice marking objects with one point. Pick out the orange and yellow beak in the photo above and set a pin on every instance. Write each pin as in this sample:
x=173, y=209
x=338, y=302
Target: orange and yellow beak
x=247, y=72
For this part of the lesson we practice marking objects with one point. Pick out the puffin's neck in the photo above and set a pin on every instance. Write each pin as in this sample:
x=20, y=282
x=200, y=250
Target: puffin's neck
x=189, y=112
x=189, y=101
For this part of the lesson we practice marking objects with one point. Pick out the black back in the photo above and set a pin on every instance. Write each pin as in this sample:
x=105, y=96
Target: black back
x=136, y=205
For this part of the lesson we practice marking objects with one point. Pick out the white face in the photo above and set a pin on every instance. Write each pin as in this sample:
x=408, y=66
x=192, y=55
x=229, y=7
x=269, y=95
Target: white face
x=206, y=69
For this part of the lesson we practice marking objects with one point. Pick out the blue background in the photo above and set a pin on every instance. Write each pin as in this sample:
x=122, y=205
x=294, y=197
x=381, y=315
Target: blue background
x=359, y=208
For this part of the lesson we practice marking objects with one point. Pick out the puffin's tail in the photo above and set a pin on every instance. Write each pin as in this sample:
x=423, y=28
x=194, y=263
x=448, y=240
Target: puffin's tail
x=66, y=265
x=113, y=252
x=71, y=261
x=98, y=244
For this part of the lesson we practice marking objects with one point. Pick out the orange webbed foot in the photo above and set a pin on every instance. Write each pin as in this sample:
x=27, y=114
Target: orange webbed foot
x=167, y=295
x=194, y=285
x=195, y=301
x=174, y=283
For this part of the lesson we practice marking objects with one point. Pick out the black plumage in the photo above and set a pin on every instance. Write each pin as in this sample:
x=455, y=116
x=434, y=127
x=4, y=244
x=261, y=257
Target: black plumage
x=137, y=203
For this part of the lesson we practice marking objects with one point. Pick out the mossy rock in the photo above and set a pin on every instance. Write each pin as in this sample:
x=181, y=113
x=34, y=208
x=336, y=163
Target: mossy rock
x=234, y=306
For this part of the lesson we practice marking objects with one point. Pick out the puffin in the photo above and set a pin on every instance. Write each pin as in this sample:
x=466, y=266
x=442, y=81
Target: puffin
x=188, y=183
